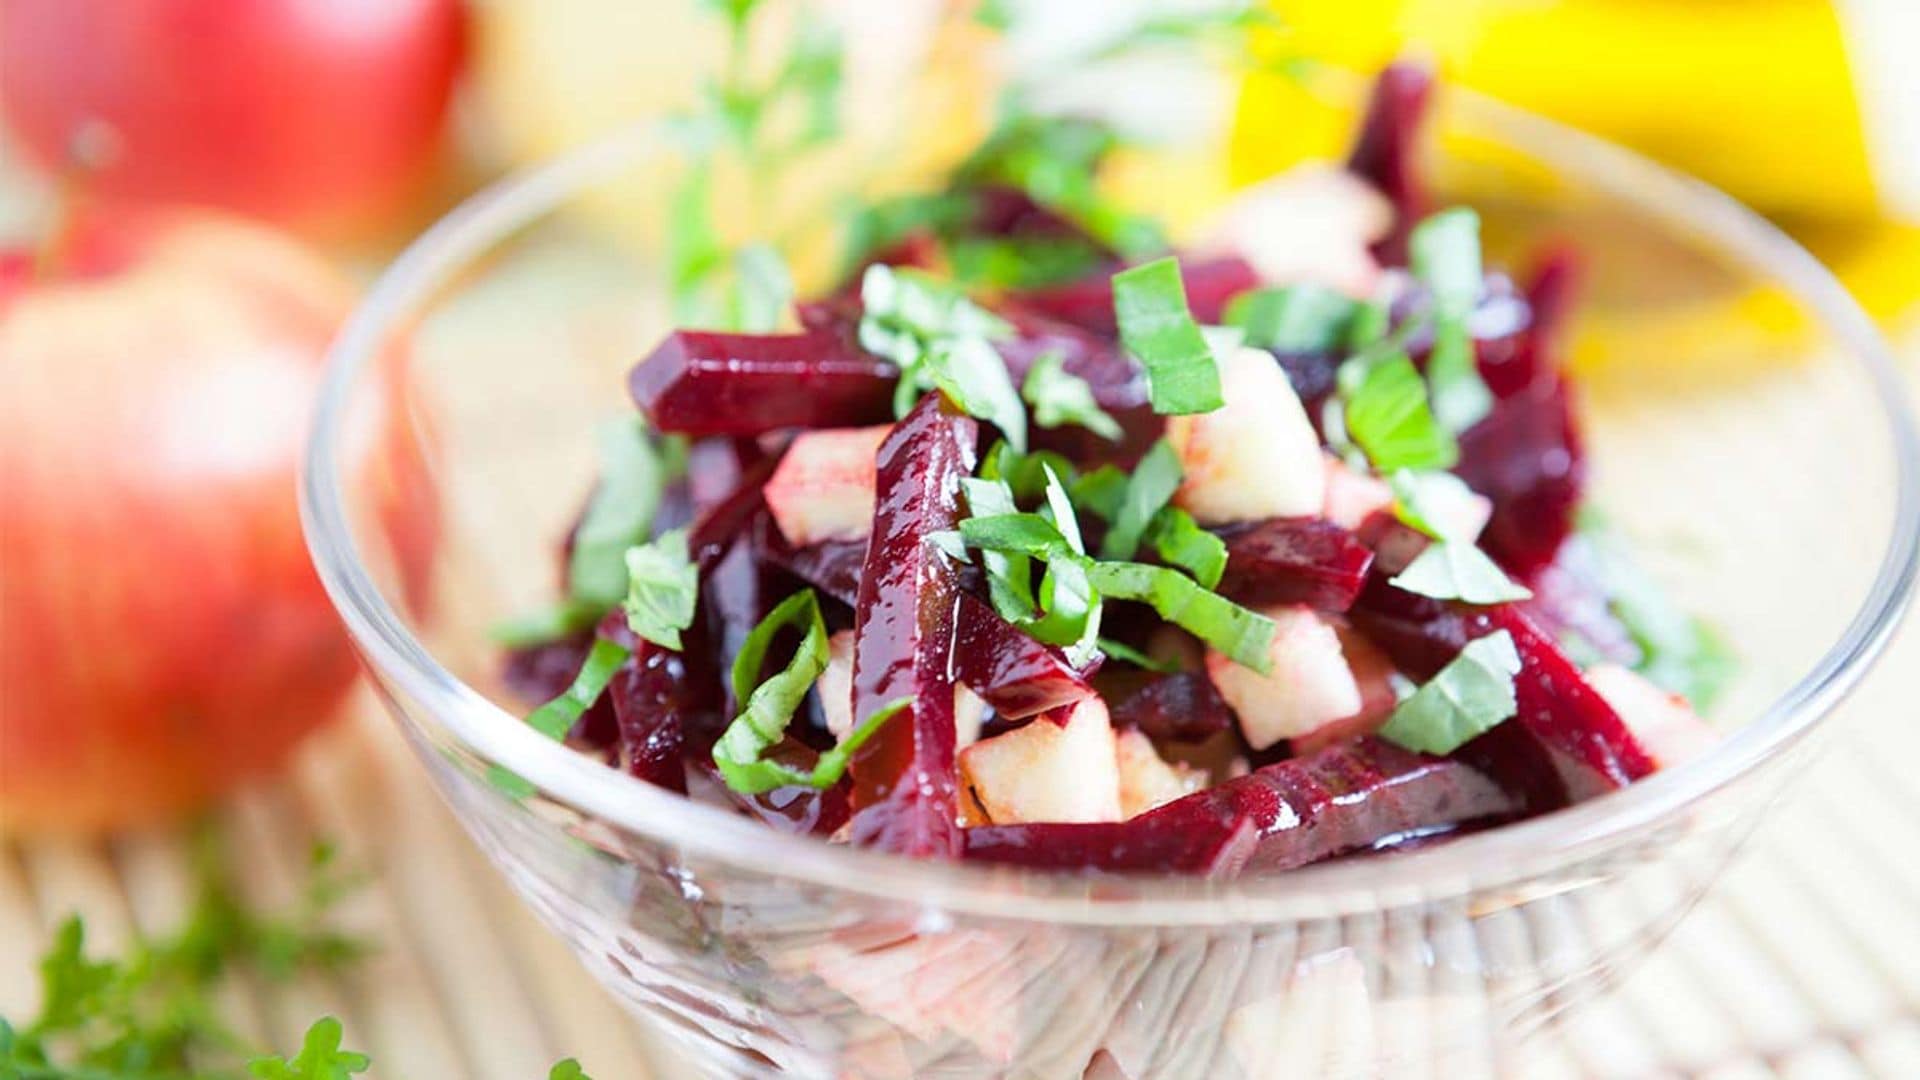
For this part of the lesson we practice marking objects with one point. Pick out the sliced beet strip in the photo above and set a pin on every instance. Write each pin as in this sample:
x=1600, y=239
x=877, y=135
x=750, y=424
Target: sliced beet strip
x=1182, y=706
x=1386, y=151
x=699, y=383
x=1564, y=745
x=903, y=779
x=832, y=566
x=1016, y=675
x=1294, y=561
x=1352, y=797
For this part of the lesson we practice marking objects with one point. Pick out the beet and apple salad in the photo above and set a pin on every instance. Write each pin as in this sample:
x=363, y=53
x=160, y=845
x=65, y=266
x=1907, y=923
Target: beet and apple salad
x=1021, y=547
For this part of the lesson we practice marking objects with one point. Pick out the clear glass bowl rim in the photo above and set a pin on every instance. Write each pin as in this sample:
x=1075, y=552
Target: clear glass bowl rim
x=1505, y=855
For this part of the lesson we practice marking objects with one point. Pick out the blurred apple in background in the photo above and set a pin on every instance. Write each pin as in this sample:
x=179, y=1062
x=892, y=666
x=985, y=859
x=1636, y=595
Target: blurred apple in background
x=325, y=115
x=162, y=633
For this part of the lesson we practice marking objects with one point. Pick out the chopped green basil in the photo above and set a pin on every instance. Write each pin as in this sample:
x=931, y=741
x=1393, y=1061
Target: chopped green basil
x=1060, y=398
x=1150, y=307
x=1101, y=491
x=551, y=623
x=1438, y=504
x=1149, y=488
x=663, y=585
x=1678, y=651
x=769, y=706
x=557, y=717
x=1469, y=697
x=1127, y=654
x=633, y=475
x=1181, y=542
x=1444, y=253
x=1303, y=318
x=1458, y=570
x=1243, y=636
x=940, y=339
x=1386, y=414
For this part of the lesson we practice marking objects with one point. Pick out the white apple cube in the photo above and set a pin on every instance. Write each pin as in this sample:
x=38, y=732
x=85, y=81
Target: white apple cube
x=1048, y=772
x=1353, y=496
x=1309, y=686
x=1373, y=673
x=823, y=487
x=836, y=695
x=1146, y=779
x=1310, y=224
x=1664, y=723
x=836, y=684
x=1255, y=457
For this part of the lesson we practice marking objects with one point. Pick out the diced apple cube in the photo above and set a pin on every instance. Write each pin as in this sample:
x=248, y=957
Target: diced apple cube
x=1373, y=673
x=836, y=695
x=1310, y=684
x=1048, y=772
x=1147, y=780
x=1353, y=496
x=1255, y=457
x=836, y=685
x=1310, y=224
x=823, y=488
x=1665, y=724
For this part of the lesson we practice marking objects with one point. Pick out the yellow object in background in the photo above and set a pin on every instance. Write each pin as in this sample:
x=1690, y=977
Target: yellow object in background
x=1808, y=110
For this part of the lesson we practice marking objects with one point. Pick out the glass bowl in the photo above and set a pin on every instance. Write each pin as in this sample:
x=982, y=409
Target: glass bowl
x=1746, y=431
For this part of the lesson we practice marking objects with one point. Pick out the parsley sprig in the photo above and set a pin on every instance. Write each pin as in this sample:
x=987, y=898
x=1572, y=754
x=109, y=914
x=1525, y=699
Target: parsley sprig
x=150, y=1015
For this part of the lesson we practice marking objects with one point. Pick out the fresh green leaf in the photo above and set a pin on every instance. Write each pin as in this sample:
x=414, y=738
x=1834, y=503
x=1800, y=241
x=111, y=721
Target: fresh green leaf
x=1127, y=654
x=1241, y=635
x=875, y=227
x=1019, y=533
x=1025, y=475
x=1678, y=652
x=1021, y=261
x=1438, y=504
x=1372, y=322
x=1459, y=570
x=1059, y=398
x=633, y=476
x=320, y=1057
x=1150, y=306
x=940, y=339
x=1387, y=416
x=568, y=1069
x=1009, y=574
x=1181, y=542
x=1070, y=606
x=1054, y=160
x=1304, y=318
x=557, y=717
x=1148, y=489
x=663, y=585
x=150, y=1014
x=1101, y=491
x=1444, y=255
x=769, y=706
x=1468, y=698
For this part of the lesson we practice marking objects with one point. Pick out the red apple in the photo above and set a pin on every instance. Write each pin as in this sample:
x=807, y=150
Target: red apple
x=309, y=113
x=162, y=633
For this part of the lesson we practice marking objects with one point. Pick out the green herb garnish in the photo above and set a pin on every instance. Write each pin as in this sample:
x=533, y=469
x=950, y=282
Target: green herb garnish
x=633, y=476
x=1444, y=254
x=1059, y=398
x=1452, y=567
x=320, y=1057
x=1385, y=412
x=768, y=707
x=557, y=717
x=941, y=340
x=1150, y=306
x=1181, y=542
x=1303, y=318
x=1470, y=696
x=1678, y=652
x=663, y=585
x=151, y=1014
x=1147, y=490
x=1243, y=636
